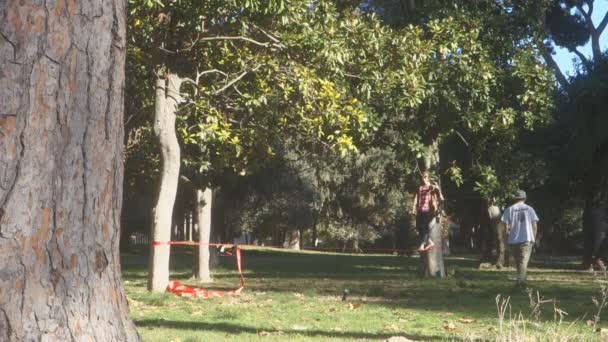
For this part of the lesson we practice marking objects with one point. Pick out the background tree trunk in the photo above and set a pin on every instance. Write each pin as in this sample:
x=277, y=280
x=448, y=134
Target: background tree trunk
x=314, y=237
x=292, y=239
x=167, y=101
x=203, y=218
x=432, y=260
x=595, y=215
x=61, y=169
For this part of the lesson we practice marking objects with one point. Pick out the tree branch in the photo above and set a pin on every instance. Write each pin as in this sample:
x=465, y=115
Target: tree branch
x=561, y=79
x=186, y=179
x=602, y=25
x=462, y=138
x=587, y=16
x=271, y=37
x=167, y=51
x=580, y=55
x=236, y=38
x=231, y=82
x=356, y=76
x=595, y=33
x=236, y=79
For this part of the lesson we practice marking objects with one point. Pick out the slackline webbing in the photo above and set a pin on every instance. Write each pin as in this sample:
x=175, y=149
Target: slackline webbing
x=192, y=291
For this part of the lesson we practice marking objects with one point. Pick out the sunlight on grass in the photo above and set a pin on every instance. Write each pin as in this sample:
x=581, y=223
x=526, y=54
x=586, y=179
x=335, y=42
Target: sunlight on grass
x=298, y=296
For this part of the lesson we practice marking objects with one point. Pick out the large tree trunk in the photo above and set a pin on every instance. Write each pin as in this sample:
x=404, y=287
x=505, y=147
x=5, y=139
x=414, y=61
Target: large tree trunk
x=167, y=101
x=61, y=169
x=203, y=218
x=432, y=260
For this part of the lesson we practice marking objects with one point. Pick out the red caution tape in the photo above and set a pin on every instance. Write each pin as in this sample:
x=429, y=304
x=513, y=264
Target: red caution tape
x=191, y=291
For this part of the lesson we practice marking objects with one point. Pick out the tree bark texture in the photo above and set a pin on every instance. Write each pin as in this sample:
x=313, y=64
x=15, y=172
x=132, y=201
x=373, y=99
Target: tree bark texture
x=432, y=260
x=61, y=171
x=203, y=216
x=167, y=102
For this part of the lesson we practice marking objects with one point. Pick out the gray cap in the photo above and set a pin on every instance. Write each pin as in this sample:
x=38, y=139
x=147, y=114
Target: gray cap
x=519, y=194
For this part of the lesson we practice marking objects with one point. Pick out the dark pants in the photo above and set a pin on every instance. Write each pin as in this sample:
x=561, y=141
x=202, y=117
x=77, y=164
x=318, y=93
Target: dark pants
x=423, y=224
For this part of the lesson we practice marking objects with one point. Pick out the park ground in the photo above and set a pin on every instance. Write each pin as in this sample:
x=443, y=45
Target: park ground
x=297, y=296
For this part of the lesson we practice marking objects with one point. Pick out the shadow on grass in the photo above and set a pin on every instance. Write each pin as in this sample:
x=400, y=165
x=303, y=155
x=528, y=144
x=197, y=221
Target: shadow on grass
x=239, y=329
x=392, y=281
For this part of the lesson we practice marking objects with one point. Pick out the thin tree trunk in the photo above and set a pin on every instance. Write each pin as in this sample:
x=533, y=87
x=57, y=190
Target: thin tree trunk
x=596, y=204
x=501, y=237
x=190, y=228
x=184, y=232
x=61, y=171
x=314, y=231
x=356, y=248
x=167, y=101
x=203, y=217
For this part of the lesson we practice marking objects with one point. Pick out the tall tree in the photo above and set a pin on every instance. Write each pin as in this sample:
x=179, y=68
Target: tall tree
x=240, y=68
x=570, y=24
x=61, y=137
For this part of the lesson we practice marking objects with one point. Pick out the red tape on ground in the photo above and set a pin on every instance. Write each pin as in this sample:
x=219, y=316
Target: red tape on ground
x=191, y=291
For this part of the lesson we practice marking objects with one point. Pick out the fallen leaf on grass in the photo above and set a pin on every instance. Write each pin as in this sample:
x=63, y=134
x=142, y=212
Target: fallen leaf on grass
x=449, y=326
x=267, y=302
x=299, y=295
x=392, y=327
x=467, y=320
x=332, y=309
x=264, y=333
x=338, y=329
x=353, y=306
x=198, y=313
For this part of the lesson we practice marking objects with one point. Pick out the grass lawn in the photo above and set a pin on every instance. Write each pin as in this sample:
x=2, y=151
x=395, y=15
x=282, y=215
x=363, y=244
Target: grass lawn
x=291, y=296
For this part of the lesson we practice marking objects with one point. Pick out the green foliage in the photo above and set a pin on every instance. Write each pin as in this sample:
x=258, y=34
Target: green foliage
x=359, y=101
x=586, y=119
x=258, y=75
